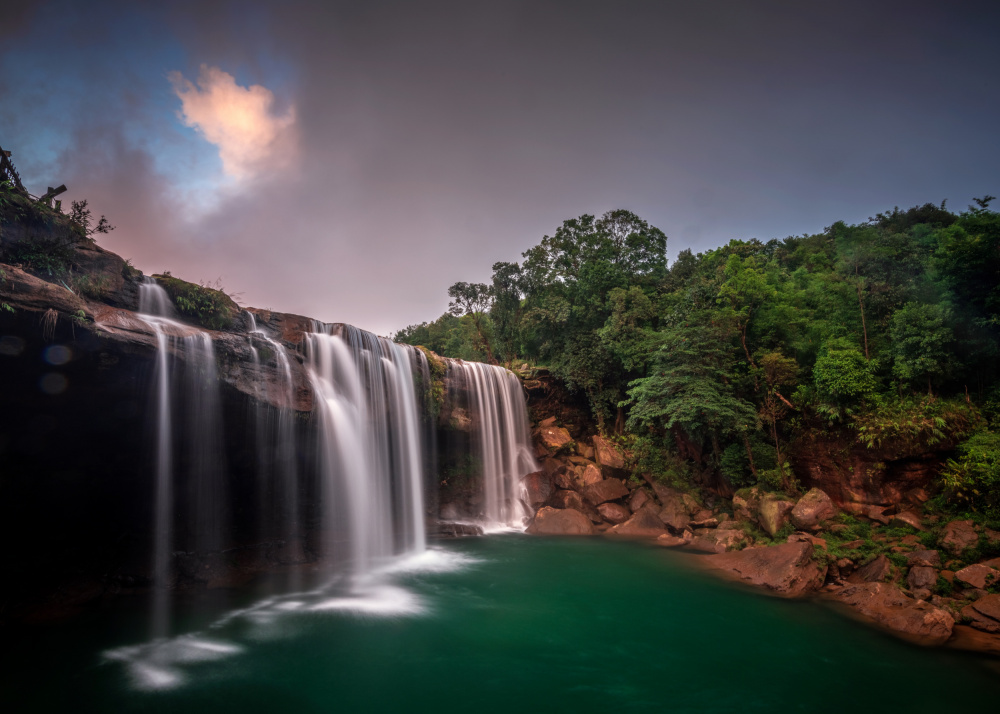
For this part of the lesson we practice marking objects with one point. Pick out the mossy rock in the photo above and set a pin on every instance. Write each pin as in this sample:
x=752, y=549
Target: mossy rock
x=208, y=307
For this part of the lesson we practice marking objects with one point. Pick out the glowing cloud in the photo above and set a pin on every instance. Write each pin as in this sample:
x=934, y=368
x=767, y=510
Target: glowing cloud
x=239, y=120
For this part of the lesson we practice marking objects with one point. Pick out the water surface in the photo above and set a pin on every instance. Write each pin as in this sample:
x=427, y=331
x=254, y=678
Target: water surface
x=505, y=623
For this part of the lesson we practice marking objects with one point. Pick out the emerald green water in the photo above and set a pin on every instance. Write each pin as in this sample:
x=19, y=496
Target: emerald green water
x=523, y=625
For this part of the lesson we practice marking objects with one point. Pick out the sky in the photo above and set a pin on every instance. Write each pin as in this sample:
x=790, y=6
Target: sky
x=349, y=161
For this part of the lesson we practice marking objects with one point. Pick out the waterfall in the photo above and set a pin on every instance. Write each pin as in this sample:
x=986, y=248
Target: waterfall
x=275, y=438
x=188, y=440
x=370, y=452
x=501, y=441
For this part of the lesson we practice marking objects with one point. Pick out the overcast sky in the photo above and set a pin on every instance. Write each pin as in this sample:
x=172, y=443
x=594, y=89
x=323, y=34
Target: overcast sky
x=350, y=161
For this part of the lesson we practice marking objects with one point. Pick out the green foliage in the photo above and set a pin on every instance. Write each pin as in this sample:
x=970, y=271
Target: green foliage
x=81, y=215
x=923, y=421
x=51, y=257
x=92, y=286
x=210, y=307
x=721, y=360
x=921, y=340
x=973, y=480
x=843, y=376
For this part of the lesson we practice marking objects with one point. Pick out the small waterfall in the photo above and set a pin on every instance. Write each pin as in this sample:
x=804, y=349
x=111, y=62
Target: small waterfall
x=370, y=452
x=278, y=478
x=186, y=406
x=501, y=441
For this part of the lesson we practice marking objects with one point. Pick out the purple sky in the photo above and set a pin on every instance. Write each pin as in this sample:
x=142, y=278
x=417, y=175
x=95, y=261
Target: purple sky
x=349, y=161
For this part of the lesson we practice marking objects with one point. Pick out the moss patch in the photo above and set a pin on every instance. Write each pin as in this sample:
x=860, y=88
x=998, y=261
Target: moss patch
x=206, y=306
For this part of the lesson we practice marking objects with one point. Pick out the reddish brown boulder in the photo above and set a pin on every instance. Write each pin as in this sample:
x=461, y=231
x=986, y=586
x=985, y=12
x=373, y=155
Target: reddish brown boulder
x=988, y=605
x=978, y=576
x=644, y=523
x=876, y=571
x=807, y=538
x=921, y=577
x=639, y=499
x=607, y=454
x=811, y=509
x=610, y=489
x=572, y=499
x=554, y=438
x=614, y=512
x=553, y=466
x=908, y=518
x=889, y=607
x=745, y=503
x=712, y=540
x=979, y=620
x=548, y=421
x=555, y=521
x=587, y=474
x=926, y=558
x=585, y=451
x=959, y=535
x=674, y=513
x=566, y=480
x=773, y=513
x=671, y=541
x=787, y=569
x=539, y=487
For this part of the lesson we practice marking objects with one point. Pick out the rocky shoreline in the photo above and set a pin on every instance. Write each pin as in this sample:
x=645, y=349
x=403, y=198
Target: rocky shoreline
x=913, y=573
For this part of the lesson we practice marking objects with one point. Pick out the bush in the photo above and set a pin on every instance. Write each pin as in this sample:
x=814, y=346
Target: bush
x=915, y=422
x=973, y=481
x=843, y=375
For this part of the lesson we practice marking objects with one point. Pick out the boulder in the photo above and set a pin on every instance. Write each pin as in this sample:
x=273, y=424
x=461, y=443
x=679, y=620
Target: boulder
x=959, y=535
x=588, y=474
x=644, y=523
x=988, y=605
x=607, y=455
x=978, y=619
x=614, y=512
x=566, y=480
x=888, y=606
x=712, y=540
x=572, y=499
x=877, y=513
x=639, y=499
x=548, y=421
x=807, y=538
x=556, y=521
x=553, y=466
x=908, y=518
x=773, y=513
x=745, y=503
x=585, y=451
x=554, y=438
x=921, y=577
x=610, y=489
x=539, y=488
x=705, y=523
x=787, y=569
x=978, y=576
x=671, y=541
x=811, y=509
x=674, y=513
x=876, y=571
x=924, y=558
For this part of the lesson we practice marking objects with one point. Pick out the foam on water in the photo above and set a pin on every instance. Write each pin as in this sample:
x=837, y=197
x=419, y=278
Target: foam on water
x=163, y=663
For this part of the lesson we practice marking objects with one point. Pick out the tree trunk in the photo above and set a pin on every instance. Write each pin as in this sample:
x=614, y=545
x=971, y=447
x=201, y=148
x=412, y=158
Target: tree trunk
x=861, y=302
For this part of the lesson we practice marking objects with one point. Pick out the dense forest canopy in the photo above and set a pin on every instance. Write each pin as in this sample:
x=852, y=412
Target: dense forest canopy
x=721, y=360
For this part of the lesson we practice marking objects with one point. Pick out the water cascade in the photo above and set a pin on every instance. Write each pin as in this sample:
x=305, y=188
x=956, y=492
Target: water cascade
x=370, y=452
x=277, y=472
x=501, y=441
x=188, y=441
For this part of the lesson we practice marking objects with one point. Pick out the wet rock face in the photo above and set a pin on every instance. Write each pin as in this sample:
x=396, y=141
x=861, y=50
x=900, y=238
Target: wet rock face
x=888, y=606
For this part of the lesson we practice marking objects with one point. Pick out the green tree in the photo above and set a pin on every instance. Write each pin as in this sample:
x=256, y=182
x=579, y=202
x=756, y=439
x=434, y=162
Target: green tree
x=921, y=343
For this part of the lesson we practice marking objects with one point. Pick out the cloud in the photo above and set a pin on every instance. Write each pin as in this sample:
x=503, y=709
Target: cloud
x=239, y=120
